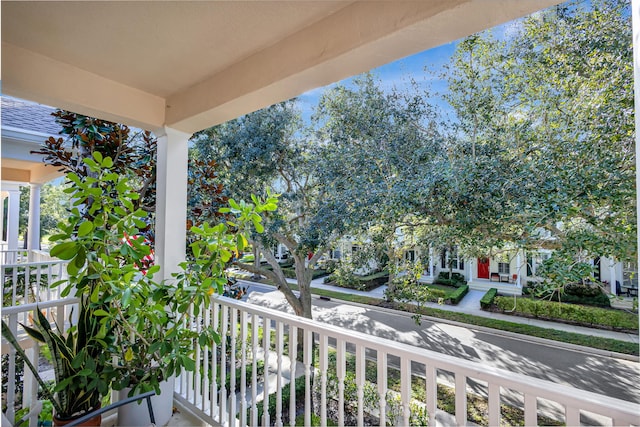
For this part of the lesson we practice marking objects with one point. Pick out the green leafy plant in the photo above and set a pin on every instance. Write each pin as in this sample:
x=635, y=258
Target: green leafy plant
x=487, y=299
x=153, y=322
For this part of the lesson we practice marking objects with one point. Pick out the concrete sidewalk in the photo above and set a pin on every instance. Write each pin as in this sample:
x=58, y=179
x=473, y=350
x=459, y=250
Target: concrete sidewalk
x=470, y=304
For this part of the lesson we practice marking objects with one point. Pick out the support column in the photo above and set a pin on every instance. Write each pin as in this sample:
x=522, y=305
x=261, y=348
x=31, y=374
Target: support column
x=432, y=265
x=2, y=234
x=518, y=268
x=171, y=201
x=13, y=217
x=612, y=277
x=33, y=233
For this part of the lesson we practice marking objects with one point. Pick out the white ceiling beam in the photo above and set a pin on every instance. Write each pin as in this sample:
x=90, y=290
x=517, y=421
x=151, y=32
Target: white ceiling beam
x=32, y=76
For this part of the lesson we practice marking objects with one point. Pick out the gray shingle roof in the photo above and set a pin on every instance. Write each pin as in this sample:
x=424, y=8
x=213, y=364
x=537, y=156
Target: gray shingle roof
x=27, y=115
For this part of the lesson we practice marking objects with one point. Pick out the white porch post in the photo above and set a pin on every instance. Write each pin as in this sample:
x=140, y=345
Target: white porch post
x=612, y=276
x=34, y=219
x=432, y=265
x=13, y=216
x=518, y=268
x=2, y=197
x=171, y=201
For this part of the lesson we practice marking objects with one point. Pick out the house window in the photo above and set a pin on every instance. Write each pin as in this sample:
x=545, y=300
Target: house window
x=457, y=263
x=410, y=255
x=354, y=249
x=597, y=272
x=503, y=267
x=529, y=266
x=629, y=273
x=337, y=254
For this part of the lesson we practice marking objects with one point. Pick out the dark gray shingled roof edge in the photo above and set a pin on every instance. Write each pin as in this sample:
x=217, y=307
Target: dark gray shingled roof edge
x=27, y=115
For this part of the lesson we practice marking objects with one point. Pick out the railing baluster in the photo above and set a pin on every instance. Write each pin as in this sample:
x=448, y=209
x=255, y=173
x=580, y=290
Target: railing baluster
x=572, y=416
x=196, y=373
x=293, y=355
x=382, y=386
x=223, y=365
x=232, y=369
x=494, y=404
x=279, y=351
x=307, y=357
x=340, y=369
x=360, y=378
x=461, y=399
x=215, y=325
x=206, y=387
x=254, y=371
x=531, y=410
x=405, y=389
x=432, y=393
x=243, y=369
x=14, y=279
x=324, y=372
x=189, y=324
x=266, y=345
x=38, y=284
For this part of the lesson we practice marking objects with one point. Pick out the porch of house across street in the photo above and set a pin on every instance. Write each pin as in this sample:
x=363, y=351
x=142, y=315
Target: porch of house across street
x=178, y=67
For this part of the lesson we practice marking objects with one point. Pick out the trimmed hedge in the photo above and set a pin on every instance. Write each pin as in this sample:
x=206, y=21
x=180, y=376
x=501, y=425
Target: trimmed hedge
x=363, y=283
x=571, y=313
x=456, y=280
x=456, y=296
x=487, y=299
x=599, y=300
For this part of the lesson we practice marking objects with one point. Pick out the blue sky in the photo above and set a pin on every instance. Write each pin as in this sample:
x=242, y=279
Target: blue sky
x=395, y=74
x=424, y=67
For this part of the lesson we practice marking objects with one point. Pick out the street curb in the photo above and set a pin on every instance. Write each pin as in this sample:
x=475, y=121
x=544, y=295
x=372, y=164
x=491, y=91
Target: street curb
x=498, y=332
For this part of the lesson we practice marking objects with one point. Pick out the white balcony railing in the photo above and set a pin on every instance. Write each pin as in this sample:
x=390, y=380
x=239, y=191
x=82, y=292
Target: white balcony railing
x=19, y=256
x=358, y=379
x=350, y=377
x=28, y=282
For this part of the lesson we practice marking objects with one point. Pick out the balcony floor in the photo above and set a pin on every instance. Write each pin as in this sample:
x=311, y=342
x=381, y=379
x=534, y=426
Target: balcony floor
x=180, y=418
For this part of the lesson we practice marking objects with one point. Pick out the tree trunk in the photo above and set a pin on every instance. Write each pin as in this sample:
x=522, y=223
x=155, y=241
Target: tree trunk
x=256, y=262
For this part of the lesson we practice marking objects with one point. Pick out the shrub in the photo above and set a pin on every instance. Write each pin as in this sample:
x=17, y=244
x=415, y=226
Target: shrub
x=330, y=265
x=578, y=314
x=487, y=299
x=362, y=283
x=456, y=296
x=456, y=279
x=582, y=289
x=599, y=300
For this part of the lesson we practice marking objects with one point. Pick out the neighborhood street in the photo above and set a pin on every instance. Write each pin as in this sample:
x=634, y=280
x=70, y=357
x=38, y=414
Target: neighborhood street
x=581, y=369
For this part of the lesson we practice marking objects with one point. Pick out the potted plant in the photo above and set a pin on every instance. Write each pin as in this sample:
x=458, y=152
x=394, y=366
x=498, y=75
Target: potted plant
x=100, y=264
x=153, y=322
x=80, y=369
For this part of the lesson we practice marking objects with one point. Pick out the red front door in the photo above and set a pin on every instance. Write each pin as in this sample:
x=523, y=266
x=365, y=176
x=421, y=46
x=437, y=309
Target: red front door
x=483, y=268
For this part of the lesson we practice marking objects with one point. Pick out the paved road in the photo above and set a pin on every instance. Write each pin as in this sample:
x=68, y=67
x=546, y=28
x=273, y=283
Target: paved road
x=605, y=375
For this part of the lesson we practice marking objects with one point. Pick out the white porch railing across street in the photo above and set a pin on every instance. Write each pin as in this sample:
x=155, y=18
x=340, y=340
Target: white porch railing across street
x=28, y=282
x=348, y=378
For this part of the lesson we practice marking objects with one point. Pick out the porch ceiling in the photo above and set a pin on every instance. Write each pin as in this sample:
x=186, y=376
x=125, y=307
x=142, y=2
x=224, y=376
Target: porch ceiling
x=190, y=65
